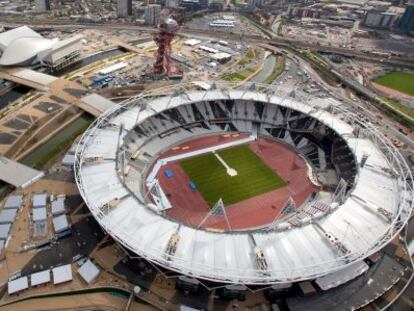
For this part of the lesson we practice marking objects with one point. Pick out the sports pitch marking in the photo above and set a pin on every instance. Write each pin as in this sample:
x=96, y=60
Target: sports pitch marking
x=253, y=178
x=230, y=171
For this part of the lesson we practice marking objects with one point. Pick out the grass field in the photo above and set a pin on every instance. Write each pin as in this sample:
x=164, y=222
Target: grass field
x=254, y=177
x=400, y=81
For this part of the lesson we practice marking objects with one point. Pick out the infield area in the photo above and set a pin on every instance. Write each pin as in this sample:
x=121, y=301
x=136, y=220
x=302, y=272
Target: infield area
x=253, y=177
x=400, y=81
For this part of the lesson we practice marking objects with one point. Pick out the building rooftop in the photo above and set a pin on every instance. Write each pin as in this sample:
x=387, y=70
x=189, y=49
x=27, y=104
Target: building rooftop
x=14, y=201
x=22, y=46
x=39, y=214
x=41, y=277
x=21, y=32
x=58, y=206
x=60, y=223
x=7, y=216
x=4, y=231
x=39, y=200
x=17, y=174
x=17, y=285
x=89, y=271
x=62, y=274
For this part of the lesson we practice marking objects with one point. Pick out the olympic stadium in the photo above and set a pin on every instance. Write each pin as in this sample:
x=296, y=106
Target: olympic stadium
x=244, y=185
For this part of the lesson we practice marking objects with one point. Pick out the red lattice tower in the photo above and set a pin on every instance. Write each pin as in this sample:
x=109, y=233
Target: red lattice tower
x=168, y=28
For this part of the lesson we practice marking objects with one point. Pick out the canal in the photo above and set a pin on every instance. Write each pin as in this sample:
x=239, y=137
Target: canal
x=61, y=140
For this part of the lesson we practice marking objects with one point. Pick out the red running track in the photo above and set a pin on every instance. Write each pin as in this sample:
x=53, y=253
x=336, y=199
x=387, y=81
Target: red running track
x=189, y=206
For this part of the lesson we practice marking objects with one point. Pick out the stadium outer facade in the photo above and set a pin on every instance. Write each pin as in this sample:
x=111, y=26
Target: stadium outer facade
x=329, y=233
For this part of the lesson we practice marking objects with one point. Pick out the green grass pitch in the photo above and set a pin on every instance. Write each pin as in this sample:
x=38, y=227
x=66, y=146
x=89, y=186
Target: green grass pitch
x=254, y=177
x=400, y=81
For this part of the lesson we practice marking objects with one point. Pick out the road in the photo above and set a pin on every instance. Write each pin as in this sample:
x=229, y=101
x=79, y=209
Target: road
x=276, y=43
x=276, y=40
x=390, y=127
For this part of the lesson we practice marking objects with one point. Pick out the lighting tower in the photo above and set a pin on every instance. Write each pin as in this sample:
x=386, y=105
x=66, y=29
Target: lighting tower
x=167, y=29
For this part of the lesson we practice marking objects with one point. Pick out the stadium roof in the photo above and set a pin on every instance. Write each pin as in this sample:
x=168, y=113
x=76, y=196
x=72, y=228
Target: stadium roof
x=17, y=174
x=21, y=46
x=294, y=253
x=341, y=277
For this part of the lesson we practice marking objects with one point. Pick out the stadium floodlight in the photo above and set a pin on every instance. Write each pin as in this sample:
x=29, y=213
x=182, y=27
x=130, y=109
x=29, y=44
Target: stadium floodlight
x=217, y=210
x=340, y=192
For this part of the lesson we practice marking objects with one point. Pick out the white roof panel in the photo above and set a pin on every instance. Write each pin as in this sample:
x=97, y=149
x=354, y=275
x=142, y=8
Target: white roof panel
x=39, y=200
x=17, y=174
x=39, y=214
x=17, y=285
x=342, y=276
x=34, y=76
x=192, y=42
x=4, y=231
x=58, y=206
x=60, y=223
x=14, y=201
x=41, y=277
x=65, y=42
x=69, y=160
x=7, y=216
x=98, y=102
x=62, y=274
x=89, y=271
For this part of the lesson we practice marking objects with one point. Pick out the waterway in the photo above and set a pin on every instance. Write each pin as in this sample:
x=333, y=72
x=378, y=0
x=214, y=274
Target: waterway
x=13, y=94
x=89, y=60
x=267, y=70
x=61, y=140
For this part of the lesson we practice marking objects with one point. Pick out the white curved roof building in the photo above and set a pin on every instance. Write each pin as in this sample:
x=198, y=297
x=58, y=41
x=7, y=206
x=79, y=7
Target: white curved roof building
x=326, y=234
x=24, y=47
